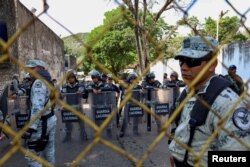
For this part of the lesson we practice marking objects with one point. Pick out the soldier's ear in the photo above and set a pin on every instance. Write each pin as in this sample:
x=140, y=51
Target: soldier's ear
x=213, y=66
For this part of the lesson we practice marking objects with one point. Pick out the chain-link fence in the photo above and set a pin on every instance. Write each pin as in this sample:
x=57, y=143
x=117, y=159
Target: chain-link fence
x=102, y=119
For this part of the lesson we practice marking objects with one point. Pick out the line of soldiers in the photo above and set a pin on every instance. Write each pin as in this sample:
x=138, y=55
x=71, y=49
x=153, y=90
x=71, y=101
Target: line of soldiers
x=73, y=91
x=102, y=82
x=99, y=84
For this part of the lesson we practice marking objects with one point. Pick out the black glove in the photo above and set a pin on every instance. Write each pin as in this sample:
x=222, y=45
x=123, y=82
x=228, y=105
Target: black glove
x=28, y=133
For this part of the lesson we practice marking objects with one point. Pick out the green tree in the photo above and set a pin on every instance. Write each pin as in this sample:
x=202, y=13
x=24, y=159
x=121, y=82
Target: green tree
x=113, y=43
x=229, y=29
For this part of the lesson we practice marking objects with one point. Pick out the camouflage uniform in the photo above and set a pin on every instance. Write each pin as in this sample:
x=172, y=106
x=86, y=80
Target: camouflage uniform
x=195, y=51
x=39, y=97
x=223, y=141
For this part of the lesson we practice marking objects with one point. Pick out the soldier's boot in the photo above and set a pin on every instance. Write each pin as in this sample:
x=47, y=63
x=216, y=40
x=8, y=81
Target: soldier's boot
x=67, y=138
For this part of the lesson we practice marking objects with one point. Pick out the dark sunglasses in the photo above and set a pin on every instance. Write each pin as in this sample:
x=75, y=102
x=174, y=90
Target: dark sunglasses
x=190, y=62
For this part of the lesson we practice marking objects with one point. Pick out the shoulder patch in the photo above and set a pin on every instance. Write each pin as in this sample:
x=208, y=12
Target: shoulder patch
x=241, y=119
x=38, y=84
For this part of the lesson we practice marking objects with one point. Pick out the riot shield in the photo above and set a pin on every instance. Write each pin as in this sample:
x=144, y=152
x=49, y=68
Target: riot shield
x=161, y=102
x=71, y=121
x=132, y=116
x=101, y=105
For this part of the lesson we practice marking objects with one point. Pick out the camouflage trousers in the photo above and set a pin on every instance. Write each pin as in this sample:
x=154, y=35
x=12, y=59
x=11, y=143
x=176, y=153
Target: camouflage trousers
x=49, y=152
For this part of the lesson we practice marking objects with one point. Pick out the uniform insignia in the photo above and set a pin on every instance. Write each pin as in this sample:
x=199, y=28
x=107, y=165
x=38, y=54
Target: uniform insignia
x=241, y=119
x=38, y=84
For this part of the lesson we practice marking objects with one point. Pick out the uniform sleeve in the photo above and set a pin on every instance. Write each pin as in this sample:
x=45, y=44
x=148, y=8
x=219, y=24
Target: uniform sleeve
x=15, y=84
x=39, y=97
x=237, y=124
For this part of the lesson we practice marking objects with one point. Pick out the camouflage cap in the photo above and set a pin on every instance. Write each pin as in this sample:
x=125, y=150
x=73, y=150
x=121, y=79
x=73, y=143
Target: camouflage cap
x=195, y=47
x=35, y=63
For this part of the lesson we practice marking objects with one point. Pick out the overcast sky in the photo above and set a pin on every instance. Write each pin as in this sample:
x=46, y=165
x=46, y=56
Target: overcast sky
x=84, y=15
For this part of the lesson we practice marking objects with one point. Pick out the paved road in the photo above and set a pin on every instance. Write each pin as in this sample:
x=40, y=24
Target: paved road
x=100, y=156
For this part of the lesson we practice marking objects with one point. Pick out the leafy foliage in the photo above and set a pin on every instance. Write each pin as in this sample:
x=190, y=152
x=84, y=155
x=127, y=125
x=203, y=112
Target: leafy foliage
x=113, y=43
x=72, y=46
x=229, y=28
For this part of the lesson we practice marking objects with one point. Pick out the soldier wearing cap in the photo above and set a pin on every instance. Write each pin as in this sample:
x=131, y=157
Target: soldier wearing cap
x=41, y=134
x=235, y=79
x=194, y=56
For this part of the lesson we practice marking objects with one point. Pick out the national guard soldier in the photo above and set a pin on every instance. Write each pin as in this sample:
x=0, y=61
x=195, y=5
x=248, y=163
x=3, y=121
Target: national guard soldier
x=113, y=86
x=41, y=134
x=73, y=91
x=174, y=83
x=98, y=89
x=97, y=82
x=150, y=81
x=149, y=84
x=235, y=79
x=165, y=78
x=196, y=121
x=104, y=78
x=14, y=88
x=117, y=90
x=136, y=94
x=26, y=90
x=14, y=83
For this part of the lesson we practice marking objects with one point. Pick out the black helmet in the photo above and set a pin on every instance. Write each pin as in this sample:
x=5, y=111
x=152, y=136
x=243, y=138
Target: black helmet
x=95, y=74
x=174, y=74
x=104, y=76
x=150, y=75
x=132, y=76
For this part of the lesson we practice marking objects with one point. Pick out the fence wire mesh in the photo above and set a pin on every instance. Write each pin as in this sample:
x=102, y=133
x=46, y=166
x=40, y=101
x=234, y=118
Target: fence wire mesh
x=129, y=12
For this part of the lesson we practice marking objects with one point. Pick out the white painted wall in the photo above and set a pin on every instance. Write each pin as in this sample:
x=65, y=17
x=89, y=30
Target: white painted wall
x=237, y=54
x=159, y=68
